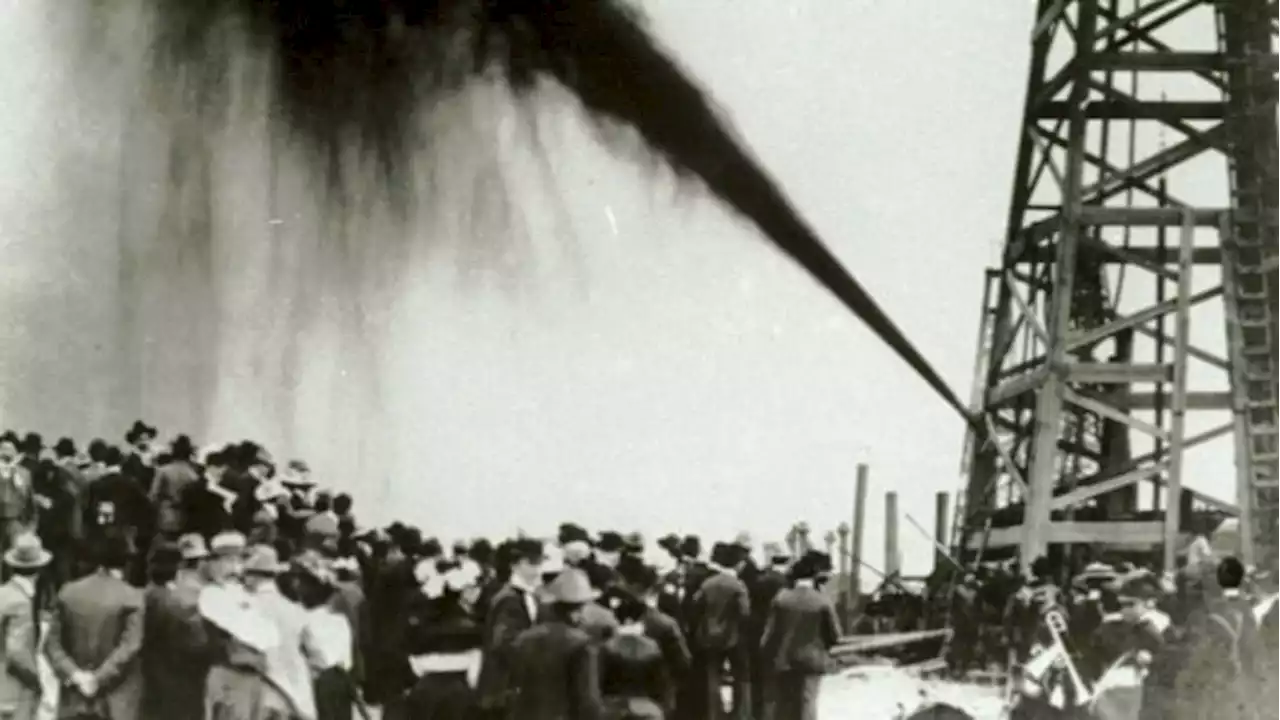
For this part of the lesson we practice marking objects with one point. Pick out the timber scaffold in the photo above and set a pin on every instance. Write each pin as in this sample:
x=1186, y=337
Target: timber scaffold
x=1141, y=232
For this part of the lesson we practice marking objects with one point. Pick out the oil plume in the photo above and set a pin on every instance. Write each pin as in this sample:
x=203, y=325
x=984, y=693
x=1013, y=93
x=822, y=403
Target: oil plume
x=358, y=75
x=280, y=169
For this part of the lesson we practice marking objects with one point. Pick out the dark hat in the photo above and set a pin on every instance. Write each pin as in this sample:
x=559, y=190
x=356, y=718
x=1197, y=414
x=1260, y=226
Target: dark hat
x=32, y=444
x=571, y=532
x=138, y=431
x=527, y=549
x=635, y=573
x=670, y=542
x=633, y=542
x=431, y=548
x=725, y=554
x=481, y=551
x=610, y=541
x=65, y=447
x=691, y=547
x=182, y=448
x=9, y=436
x=299, y=466
x=804, y=568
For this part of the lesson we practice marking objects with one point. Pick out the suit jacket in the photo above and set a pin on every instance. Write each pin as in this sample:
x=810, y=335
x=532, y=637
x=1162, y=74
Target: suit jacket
x=768, y=584
x=17, y=501
x=666, y=632
x=507, y=618
x=721, y=611
x=555, y=674
x=802, y=627
x=97, y=627
x=177, y=653
x=167, y=493
x=350, y=601
x=20, y=681
x=597, y=621
x=632, y=667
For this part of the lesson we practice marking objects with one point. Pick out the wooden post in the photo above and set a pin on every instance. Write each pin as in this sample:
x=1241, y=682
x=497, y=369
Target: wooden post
x=855, y=552
x=941, y=509
x=848, y=594
x=1177, y=425
x=891, y=534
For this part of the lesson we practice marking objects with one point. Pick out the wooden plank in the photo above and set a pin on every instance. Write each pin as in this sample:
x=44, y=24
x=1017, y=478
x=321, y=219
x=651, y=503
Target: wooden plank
x=1123, y=532
x=865, y=643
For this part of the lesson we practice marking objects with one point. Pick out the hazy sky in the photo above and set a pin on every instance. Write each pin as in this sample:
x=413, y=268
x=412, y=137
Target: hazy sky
x=662, y=368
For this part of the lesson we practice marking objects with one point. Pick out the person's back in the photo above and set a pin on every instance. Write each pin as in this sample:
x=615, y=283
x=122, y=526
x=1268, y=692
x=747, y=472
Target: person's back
x=169, y=492
x=802, y=626
x=634, y=681
x=97, y=628
x=554, y=668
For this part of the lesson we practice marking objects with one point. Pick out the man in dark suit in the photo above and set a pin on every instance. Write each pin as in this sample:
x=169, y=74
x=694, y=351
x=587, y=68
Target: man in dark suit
x=95, y=639
x=554, y=667
x=641, y=581
x=178, y=649
x=720, y=613
x=771, y=581
x=801, y=629
x=513, y=610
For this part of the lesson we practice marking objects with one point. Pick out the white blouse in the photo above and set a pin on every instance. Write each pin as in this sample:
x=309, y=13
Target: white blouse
x=329, y=640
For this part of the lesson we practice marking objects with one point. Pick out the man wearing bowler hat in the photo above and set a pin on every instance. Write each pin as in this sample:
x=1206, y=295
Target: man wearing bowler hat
x=20, y=687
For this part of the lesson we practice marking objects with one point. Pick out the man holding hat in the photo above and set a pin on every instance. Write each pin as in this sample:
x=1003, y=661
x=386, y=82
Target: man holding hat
x=20, y=686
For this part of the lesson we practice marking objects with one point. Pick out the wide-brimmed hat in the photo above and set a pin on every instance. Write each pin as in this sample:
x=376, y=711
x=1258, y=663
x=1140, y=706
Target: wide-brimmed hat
x=27, y=553
x=571, y=587
x=228, y=543
x=263, y=560
x=315, y=566
x=138, y=431
x=192, y=547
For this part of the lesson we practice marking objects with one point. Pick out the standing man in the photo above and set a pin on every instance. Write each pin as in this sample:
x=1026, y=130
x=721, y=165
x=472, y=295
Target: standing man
x=178, y=651
x=95, y=639
x=17, y=501
x=801, y=629
x=20, y=684
x=513, y=610
x=720, y=616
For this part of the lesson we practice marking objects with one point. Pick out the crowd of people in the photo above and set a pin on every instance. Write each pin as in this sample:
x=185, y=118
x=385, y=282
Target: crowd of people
x=1199, y=642
x=211, y=584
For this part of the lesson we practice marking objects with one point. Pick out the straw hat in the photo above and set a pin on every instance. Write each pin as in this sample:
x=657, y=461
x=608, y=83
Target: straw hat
x=571, y=587
x=192, y=547
x=27, y=553
x=227, y=543
x=263, y=560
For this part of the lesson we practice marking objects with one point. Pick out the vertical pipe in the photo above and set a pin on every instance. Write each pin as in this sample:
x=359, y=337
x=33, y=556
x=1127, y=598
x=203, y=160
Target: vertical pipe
x=890, y=533
x=1177, y=426
x=848, y=593
x=855, y=554
x=941, y=508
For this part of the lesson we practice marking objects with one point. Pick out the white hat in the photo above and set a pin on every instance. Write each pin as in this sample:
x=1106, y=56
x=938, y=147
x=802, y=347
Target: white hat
x=234, y=611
